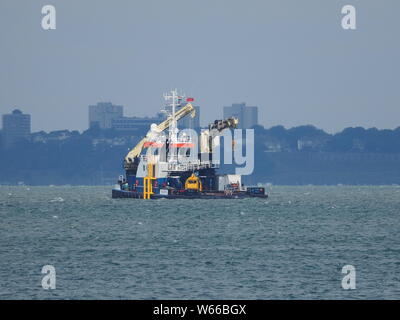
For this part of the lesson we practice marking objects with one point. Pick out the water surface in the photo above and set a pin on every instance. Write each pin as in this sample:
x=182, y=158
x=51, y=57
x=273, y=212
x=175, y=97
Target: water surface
x=292, y=245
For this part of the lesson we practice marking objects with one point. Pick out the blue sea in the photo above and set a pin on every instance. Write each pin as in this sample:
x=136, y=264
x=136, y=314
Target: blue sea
x=292, y=245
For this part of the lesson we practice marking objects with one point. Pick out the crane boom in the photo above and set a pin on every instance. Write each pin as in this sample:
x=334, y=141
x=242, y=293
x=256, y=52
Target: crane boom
x=210, y=137
x=137, y=150
x=221, y=125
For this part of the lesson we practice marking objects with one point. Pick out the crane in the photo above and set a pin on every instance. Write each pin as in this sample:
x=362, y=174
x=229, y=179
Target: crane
x=132, y=158
x=210, y=137
x=220, y=125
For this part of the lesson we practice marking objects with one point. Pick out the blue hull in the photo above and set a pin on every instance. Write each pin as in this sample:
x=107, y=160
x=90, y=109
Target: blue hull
x=116, y=194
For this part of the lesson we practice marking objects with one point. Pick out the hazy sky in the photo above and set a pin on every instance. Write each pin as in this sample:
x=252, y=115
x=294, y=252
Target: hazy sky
x=290, y=58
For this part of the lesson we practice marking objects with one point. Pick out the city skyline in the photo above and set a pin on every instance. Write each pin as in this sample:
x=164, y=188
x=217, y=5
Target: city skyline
x=156, y=116
x=106, y=115
x=293, y=60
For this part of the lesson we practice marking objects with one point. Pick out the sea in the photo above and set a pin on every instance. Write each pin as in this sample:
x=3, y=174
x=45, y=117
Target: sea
x=294, y=245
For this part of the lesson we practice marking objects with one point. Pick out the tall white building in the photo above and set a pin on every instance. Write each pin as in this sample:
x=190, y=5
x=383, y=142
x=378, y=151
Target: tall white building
x=248, y=116
x=102, y=115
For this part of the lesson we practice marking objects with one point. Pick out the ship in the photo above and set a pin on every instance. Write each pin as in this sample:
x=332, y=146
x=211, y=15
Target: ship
x=168, y=163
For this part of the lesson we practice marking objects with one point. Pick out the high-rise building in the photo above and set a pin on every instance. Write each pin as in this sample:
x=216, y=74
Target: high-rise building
x=16, y=127
x=248, y=116
x=136, y=123
x=102, y=115
x=105, y=115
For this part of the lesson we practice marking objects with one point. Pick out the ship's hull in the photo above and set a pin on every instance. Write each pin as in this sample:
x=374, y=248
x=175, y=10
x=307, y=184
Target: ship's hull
x=185, y=195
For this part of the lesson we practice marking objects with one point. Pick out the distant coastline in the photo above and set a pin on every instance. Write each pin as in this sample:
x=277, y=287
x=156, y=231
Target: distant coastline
x=296, y=156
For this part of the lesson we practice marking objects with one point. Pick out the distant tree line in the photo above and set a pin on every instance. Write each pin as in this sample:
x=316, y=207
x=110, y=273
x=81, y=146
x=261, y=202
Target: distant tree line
x=356, y=139
x=95, y=156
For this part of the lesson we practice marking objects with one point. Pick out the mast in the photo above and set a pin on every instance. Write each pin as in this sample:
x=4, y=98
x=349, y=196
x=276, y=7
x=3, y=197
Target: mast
x=174, y=123
x=173, y=100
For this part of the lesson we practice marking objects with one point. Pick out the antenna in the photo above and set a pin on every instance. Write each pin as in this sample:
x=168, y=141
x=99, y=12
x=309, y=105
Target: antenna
x=173, y=100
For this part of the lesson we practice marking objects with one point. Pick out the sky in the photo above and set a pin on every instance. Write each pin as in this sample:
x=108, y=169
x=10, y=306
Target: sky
x=291, y=58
